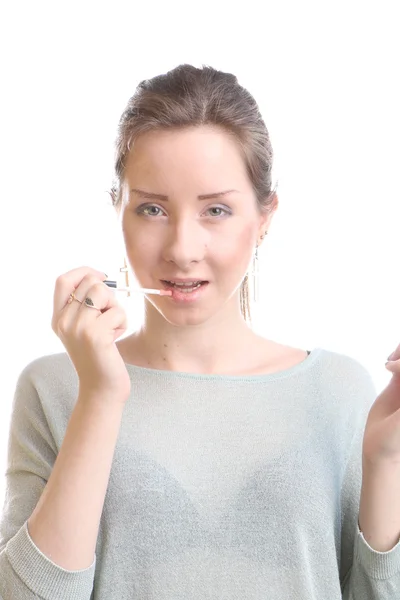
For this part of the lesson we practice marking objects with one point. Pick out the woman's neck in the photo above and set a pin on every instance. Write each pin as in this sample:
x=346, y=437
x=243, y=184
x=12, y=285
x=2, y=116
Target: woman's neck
x=223, y=345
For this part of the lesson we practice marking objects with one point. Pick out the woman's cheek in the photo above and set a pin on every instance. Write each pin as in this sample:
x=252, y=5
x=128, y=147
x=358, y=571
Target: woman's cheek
x=241, y=245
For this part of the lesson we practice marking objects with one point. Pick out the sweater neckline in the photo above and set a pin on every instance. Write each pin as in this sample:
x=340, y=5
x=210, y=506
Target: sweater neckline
x=136, y=370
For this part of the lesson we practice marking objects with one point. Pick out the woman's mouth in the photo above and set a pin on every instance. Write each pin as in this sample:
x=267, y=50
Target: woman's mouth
x=186, y=287
x=187, y=291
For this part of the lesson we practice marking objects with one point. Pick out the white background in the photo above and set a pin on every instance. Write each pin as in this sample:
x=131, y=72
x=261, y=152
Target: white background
x=325, y=75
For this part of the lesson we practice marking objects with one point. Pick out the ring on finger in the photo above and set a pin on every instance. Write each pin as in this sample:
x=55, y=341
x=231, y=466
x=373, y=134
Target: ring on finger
x=89, y=302
x=73, y=297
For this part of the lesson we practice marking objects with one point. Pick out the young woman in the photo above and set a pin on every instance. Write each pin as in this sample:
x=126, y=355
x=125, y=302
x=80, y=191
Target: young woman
x=193, y=459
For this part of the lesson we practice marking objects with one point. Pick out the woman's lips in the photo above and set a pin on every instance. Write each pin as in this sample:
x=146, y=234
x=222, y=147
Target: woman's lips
x=182, y=296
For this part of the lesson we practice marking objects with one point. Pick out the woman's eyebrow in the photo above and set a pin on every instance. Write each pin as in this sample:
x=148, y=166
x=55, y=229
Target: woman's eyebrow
x=152, y=196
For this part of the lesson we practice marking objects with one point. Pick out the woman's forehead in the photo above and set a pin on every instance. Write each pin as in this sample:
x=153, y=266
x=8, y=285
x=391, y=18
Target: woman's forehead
x=210, y=161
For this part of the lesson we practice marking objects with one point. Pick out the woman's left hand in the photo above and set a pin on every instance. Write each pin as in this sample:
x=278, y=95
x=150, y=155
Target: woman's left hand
x=382, y=431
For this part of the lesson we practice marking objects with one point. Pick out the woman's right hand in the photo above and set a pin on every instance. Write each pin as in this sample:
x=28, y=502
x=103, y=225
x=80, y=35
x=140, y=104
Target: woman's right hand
x=89, y=335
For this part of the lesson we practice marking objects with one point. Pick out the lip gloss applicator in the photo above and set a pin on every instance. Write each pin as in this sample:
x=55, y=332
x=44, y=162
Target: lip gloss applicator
x=113, y=284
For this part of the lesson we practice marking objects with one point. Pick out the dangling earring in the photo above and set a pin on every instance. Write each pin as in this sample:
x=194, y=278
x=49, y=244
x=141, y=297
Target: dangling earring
x=124, y=269
x=255, y=272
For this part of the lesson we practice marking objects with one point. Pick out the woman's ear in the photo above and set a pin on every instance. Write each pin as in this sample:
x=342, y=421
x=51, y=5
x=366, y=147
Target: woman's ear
x=267, y=216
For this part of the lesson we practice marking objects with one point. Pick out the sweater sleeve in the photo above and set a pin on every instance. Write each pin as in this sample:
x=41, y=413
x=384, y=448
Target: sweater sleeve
x=365, y=573
x=25, y=572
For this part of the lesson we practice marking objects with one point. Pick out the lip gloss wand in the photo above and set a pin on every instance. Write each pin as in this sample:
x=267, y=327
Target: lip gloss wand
x=113, y=284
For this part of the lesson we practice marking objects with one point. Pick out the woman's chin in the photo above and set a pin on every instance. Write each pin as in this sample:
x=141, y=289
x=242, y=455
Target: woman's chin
x=186, y=320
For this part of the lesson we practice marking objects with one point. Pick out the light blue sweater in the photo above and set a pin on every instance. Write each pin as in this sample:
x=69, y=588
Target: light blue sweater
x=222, y=487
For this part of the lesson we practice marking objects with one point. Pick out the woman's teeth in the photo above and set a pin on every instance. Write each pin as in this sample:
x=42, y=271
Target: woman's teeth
x=186, y=287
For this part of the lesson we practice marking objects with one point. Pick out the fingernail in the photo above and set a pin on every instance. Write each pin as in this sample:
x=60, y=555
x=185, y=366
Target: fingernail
x=391, y=356
x=389, y=365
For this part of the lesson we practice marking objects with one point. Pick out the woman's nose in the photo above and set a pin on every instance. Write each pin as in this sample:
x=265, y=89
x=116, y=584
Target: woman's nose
x=184, y=244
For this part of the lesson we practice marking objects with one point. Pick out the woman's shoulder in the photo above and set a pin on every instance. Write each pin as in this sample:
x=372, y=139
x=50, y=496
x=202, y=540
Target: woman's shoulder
x=44, y=397
x=48, y=362
x=49, y=372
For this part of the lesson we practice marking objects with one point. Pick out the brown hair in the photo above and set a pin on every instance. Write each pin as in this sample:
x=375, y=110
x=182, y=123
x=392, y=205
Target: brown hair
x=187, y=97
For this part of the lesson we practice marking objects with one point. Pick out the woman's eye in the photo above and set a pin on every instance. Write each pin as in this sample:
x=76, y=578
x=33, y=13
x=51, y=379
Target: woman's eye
x=150, y=210
x=220, y=209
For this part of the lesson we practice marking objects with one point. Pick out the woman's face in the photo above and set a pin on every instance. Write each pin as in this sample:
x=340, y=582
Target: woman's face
x=189, y=213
